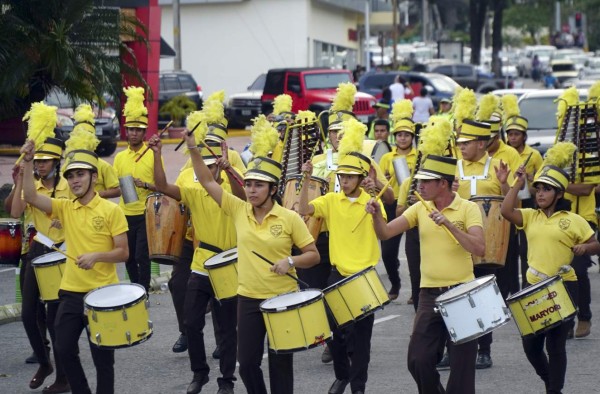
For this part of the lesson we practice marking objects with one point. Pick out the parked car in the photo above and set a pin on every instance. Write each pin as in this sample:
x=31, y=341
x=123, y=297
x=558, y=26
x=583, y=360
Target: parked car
x=468, y=76
x=517, y=92
x=544, y=54
x=243, y=107
x=177, y=83
x=563, y=70
x=107, y=122
x=591, y=68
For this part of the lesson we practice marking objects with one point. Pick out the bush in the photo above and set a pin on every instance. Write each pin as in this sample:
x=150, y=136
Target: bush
x=177, y=109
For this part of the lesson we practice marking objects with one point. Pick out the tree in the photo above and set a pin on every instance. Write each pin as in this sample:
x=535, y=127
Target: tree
x=498, y=6
x=530, y=17
x=477, y=15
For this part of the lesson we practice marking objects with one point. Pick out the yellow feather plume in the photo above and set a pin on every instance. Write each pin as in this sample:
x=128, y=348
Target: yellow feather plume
x=435, y=137
x=354, y=135
x=455, y=97
x=213, y=109
x=560, y=155
x=134, y=106
x=263, y=137
x=466, y=103
x=510, y=106
x=41, y=119
x=306, y=116
x=82, y=136
x=344, y=98
x=282, y=103
x=567, y=98
x=84, y=114
x=193, y=119
x=401, y=109
x=487, y=105
x=594, y=91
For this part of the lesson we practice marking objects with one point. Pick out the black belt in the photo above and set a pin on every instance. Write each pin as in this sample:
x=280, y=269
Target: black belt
x=442, y=288
x=212, y=248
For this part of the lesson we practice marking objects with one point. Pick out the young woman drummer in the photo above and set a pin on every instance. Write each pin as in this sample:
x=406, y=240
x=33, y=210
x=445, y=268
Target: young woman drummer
x=262, y=225
x=554, y=236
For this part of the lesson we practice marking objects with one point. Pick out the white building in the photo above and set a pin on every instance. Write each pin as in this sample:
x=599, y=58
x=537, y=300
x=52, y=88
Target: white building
x=226, y=44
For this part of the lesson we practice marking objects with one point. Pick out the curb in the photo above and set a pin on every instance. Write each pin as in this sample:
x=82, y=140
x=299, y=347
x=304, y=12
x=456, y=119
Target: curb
x=12, y=312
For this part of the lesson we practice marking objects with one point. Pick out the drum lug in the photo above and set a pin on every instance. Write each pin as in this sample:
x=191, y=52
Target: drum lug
x=124, y=315
x=147, y=303
x=480, y=323
x=150, y=324
x=452, y=333
x=94, y=317
x=486, y=206
x=12, y=231
x=471, y=301
x=496, y=288
x=441, y=310
x=98, y=338
x=366, y=308
x=506, y=311
x=156, y=206
x=182, y=209
x=128, y=336
x=546, y=322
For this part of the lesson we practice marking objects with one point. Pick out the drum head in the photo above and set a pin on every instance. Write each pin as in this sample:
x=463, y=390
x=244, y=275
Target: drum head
x=111, y=296
x=284, y=301
x=222, y=258
x=465, y=288
x=533, y=288
x=47, y=258
x=488, y=198
x=9, y=221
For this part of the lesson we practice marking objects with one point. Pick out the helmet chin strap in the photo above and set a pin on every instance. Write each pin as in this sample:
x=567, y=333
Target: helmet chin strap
x=50, y=175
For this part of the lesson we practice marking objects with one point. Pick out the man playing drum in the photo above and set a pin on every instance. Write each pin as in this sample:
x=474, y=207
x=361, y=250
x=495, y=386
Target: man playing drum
x=463, y=221
x=96, y=235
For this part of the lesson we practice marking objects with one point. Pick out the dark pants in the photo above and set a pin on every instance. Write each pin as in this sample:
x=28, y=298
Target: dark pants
x=389, y=250
x=584, y=300
x=316, y=276
x=70, y=322
x=199, y=294
x=179, y=280
x=553, y=367
x=426, y=348
x=412, y=248
x=251, y=339
x=511, y=270
x=351, y=347
x=523, y=255
x=138, y=264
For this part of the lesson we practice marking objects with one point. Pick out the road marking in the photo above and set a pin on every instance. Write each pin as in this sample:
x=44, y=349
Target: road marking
x=7, y=269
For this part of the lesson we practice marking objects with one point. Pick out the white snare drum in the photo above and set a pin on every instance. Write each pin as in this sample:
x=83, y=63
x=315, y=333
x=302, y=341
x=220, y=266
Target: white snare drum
x=473, y=309
x=223, y=275
x=117, y=315
x=49, y=269
x=375, y=149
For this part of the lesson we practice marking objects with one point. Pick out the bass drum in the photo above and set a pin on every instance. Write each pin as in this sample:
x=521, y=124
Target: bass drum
x=496, y=230
x=166, y=225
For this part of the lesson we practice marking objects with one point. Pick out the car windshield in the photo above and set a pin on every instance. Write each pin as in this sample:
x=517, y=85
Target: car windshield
x=563, y=67
x=540, y=112
x=543, y=52
x=259, y=83
x=325, y=81
x=59, y=99
x=443, y=84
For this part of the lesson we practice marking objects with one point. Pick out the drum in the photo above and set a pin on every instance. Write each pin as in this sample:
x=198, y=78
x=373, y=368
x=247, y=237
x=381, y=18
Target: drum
x=222, y=272
x=117, y=315
x=127, y=186
x=166, y=224
x=541, y=306
x=49, y=270
x=317, y=187
x=472, y=309
x=375, y=149
x=11, y=237
x=356, y=296
x=496, y=230
x=295, y=321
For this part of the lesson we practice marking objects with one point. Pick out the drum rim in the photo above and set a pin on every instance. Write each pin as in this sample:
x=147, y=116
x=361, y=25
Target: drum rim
x=120, y=346
x=300, y=176
x=223, y=263
x=320, y=296
x=299, y=349
x=491, y=197
x=485, y=283
x=482, y=333
x=117, y=307
x=529, y=290
x=53, y=262
x=348, y=279
x=10, y=221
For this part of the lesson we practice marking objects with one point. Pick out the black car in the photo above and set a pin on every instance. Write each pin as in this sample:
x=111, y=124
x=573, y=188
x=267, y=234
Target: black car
x=243, y=107
x=177, y=83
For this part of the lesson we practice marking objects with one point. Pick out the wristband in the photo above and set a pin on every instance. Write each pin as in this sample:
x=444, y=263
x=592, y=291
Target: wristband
x=27, y=161
x=290, y=261
x=146, y=185
x=193, y=147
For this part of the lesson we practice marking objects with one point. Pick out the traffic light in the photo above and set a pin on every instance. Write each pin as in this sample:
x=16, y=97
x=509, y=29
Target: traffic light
x=578, y=17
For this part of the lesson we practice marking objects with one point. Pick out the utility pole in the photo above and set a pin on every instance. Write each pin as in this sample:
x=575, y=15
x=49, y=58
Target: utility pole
x=394, y=33
x=176, y=35
x=367, y=37
x=424, y=20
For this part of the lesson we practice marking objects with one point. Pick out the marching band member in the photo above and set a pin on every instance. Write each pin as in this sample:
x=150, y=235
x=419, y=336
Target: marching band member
x=282, y=117
x=259, y=222
x=95, y=231
x=350, y=252
x=382, y=116
x=463, y=220
x=548, y=229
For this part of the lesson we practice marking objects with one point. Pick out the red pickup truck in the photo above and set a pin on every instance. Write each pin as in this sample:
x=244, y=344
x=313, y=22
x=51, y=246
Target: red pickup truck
x=312, y=89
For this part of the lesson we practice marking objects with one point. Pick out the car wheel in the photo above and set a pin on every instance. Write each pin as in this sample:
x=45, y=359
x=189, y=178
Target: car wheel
x=107, y=149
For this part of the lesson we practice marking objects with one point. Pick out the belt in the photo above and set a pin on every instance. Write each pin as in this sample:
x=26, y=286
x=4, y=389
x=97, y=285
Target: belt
x=212, y=248
x=442, y=288
x=563, y=270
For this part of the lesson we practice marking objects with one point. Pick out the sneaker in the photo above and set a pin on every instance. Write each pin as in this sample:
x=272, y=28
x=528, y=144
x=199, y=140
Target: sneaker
x=583, y=328
x=444, y=363
x=483, y=361
x=326, y=356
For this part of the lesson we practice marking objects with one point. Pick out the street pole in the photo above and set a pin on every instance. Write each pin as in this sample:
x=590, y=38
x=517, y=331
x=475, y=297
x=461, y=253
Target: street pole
x=176, y=35
x=557, y=16
x=424, y=20
x=367, y=37
x=394, y=33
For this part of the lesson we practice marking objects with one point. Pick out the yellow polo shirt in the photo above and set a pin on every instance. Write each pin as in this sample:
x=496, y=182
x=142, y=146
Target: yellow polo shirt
x=320, y=169
x=187, y=177
x=350, y=252
x=125, y=165
x=546, y=252
x=535, y=163
x=403, y=192
x=89, y=228
x=273, y=238
x=234, y=159
x=210, y=223
x=387, y=166
x=107, y=176
x=584, y=206
x=509, y=155
x=486, y=187
x=443, y=261
x=42, y=220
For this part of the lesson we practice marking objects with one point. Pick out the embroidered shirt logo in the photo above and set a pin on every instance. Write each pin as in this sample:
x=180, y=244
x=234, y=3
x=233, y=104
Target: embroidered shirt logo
x=459, y=224
x=98, y=223
x=276, y=230
x=564, y=224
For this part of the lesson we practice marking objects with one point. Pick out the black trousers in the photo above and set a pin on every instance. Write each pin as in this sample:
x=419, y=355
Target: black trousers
x=584, y=298
x=510, y=278
x=351, y=347
x=316, y=276
x=251, y=339
x=70, y=322
x=523, y=247
x=138, y=264
x=426, y=348
x=552, y=368
x=389, y=249
x=179, y=280
x=412, y=248
x=199, y=294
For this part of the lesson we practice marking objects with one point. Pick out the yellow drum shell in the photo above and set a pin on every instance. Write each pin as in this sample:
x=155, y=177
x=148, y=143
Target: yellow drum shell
x=496, y=230
x=166, y=226
x=49, y=269
x=118, y=316
x=223, y=275
x=541, y=306
x=296, y=321
x=316, y=188
x=356, y=296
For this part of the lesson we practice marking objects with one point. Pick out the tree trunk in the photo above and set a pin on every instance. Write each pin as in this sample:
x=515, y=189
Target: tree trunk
x=477, y=10
x=497, y=37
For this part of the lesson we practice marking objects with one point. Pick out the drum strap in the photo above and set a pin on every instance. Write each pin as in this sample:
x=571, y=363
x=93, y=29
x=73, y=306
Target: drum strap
x=563, y=270
x=332, y=166
x=474, y=178
x=212, y=248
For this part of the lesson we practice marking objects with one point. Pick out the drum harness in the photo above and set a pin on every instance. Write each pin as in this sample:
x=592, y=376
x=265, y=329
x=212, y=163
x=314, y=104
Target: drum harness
x=331, y=166
x=212, y=248
x=474, y=178
x=563, y=270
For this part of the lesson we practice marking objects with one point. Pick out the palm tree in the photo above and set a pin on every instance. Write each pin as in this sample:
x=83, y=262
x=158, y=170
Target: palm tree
x=70, y=44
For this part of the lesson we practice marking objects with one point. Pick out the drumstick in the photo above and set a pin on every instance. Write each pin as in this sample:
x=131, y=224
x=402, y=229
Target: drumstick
x=159, y=135
x=383, y=189
x=429, y=210
x=300, y=281
x=524, y=165
x=188, y=133
x=229, y=170
x=44, y=240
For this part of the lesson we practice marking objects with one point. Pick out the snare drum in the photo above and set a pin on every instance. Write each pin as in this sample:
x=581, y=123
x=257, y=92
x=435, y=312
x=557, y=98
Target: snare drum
x=295, y=321
x=496, y=230
x=356, y=296
x=11, y=238
x=223, y=275
x=166, y=224
x=375, y=149
x=49, y=269
x=317, y=187
x=541, y=306
x=472, y=309
x=117, y=315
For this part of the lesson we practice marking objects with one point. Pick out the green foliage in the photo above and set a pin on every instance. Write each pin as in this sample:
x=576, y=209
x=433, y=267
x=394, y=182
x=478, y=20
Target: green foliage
x=177, y=109
x=529, y=18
